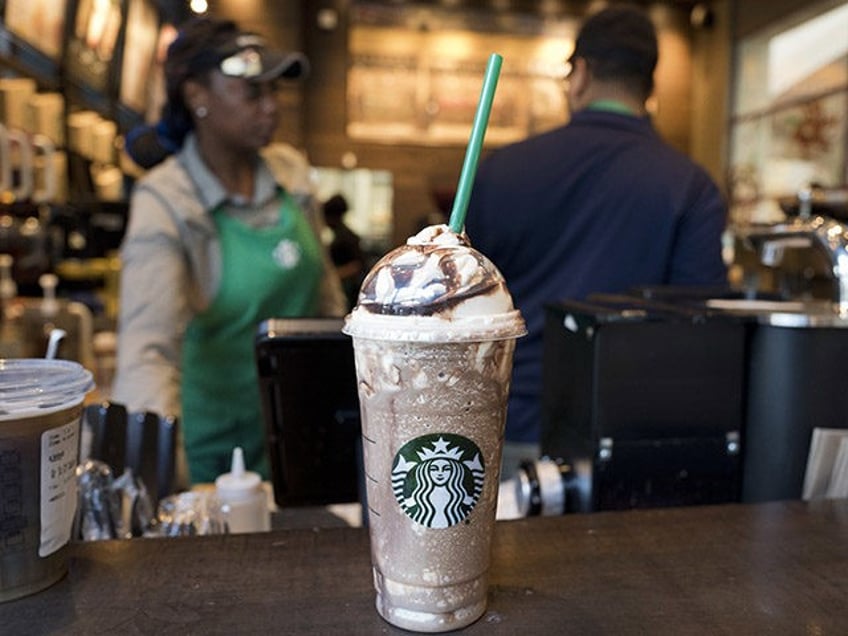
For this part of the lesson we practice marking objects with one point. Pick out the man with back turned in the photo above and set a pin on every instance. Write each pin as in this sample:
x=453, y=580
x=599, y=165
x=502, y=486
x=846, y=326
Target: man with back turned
x=600, y=205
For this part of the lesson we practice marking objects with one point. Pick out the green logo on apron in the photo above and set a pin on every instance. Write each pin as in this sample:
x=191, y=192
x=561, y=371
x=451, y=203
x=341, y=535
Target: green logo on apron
x=437, y=479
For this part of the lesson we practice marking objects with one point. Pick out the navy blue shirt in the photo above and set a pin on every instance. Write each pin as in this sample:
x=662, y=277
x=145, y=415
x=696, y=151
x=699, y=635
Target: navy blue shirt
x=602, y=204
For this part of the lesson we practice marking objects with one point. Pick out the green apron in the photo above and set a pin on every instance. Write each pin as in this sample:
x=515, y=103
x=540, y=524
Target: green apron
x=266, y=272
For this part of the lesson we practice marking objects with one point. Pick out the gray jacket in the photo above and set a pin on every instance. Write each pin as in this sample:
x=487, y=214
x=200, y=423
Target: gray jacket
x=171, y=263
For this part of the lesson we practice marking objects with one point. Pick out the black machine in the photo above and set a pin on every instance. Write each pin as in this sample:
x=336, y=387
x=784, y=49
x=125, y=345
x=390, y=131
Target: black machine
x=310, y=405
x=797, y=382
x=644, y=402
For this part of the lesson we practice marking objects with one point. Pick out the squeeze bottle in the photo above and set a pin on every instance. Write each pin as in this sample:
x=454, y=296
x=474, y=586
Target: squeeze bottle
x=243, y=500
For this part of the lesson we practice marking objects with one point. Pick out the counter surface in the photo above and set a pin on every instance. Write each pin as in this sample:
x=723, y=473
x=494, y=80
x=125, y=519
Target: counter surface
x=778, y=568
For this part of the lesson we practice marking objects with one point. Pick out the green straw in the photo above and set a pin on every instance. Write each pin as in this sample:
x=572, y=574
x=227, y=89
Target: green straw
x=475, y=144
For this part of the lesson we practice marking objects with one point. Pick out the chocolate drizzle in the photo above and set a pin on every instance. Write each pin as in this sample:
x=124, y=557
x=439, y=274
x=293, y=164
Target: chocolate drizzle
x=428, y=279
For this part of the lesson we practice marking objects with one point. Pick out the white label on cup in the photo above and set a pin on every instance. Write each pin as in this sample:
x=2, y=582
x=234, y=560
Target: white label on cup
x=59, y=448
x=437, y=479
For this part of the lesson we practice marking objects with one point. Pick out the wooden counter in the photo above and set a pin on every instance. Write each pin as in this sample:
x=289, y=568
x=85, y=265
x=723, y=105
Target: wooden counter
x=778, y=568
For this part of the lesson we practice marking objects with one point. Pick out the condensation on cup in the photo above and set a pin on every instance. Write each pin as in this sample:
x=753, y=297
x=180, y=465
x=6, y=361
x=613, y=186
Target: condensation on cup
x=434, y=333
x=41, y=405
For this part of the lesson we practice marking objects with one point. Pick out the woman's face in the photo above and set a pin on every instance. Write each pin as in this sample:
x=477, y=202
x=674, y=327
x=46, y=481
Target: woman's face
x=241, y=114
x=440, y=470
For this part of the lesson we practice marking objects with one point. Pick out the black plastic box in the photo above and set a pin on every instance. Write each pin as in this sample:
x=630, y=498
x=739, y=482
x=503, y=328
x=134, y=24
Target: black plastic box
x=307, y=381
x=644, y=401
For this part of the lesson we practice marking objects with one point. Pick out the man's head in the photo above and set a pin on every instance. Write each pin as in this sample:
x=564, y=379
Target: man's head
x=617, y=47
x=334, y=209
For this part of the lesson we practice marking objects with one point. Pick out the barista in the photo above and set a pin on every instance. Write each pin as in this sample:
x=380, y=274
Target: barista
x=221, y=235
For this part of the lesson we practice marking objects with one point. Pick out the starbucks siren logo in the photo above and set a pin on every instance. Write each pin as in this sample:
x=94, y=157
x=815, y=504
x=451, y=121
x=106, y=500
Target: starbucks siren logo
x=437, y=479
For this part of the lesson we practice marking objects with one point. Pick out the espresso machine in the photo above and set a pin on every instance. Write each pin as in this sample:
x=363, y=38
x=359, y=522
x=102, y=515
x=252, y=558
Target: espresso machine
x=671, y=396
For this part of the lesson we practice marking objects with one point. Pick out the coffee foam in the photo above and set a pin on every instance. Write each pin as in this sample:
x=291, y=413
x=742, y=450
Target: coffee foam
x=436, y=288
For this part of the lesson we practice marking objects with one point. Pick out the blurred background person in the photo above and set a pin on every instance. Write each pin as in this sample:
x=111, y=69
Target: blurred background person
x=600, y=205
x=345, y=248
x=222, y=234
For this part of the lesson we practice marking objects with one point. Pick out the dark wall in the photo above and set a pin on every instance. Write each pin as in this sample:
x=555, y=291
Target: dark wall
x=711, y=73
x=417, y=170
x=751, y=15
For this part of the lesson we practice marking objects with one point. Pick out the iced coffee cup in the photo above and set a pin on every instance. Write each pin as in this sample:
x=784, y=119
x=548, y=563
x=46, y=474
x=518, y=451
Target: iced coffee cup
x=433, y=332
x=41, y=402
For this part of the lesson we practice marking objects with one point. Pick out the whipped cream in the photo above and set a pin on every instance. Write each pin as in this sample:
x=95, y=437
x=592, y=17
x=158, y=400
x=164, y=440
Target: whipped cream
x=436, y=272
x=438, y=283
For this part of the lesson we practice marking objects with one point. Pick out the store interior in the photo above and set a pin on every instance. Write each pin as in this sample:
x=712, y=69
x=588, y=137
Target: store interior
x=385, y=114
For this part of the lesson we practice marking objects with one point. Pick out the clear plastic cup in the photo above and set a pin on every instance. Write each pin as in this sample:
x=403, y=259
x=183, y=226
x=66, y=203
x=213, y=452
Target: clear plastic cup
x=433, y=334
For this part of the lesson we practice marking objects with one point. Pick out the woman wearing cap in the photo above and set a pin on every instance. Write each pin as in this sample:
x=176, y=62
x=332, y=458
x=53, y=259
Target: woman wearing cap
x=222, y=234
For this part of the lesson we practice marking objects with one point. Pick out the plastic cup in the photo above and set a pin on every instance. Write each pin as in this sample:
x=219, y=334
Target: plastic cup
x=433, y=387
x=40, y=411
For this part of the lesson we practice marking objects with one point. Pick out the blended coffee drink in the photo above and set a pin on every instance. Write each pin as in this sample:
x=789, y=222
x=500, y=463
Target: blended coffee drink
x=434, y=332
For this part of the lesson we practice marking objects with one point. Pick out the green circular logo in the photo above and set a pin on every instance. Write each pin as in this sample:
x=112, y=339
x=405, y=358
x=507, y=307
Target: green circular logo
x=437, y=479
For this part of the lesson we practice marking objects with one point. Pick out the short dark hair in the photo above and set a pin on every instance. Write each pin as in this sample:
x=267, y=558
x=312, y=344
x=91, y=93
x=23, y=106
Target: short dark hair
x=335, y=206
x=619, y=44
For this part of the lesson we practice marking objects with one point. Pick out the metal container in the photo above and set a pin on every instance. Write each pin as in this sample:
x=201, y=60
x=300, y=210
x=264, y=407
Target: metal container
x=796, y=382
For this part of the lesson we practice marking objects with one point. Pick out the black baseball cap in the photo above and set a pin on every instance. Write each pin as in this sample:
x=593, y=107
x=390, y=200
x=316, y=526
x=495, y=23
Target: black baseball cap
x=205, y=44
x=201, y=45
x=247, y=55
x=622, y=39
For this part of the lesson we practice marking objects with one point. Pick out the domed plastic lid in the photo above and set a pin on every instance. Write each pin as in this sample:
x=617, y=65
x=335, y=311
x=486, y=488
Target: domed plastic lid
x=436, y=288
x=38, y=386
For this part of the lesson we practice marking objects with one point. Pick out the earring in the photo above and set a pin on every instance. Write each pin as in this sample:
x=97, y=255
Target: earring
x=201, y=112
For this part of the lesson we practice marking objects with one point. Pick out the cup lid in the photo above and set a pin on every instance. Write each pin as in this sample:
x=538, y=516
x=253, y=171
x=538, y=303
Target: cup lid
x=36, y=386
